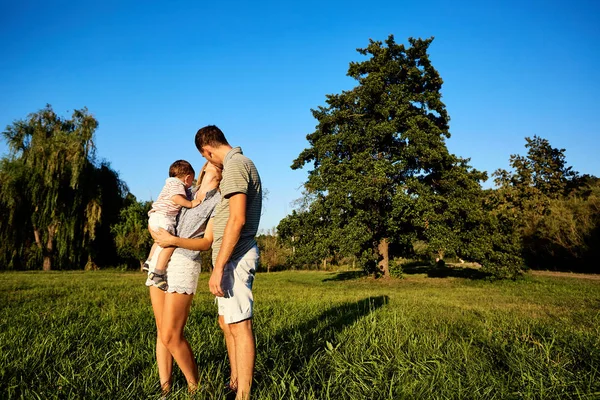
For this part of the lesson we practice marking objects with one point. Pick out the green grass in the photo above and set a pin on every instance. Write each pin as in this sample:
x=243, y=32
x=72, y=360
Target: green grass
x=320, y=335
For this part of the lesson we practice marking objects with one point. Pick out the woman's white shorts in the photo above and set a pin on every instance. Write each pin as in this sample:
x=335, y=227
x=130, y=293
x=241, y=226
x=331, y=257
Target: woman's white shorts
x=182, y=273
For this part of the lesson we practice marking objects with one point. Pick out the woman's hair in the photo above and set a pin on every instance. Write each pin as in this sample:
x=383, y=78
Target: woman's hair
x=218, y=174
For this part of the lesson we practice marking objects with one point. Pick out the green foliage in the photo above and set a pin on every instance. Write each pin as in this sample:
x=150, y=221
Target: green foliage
x=57, y=202
x=553, y=212
x=308, y=238
x=542, y=171
x=91, y=335
x=133, y=241
x=567, y=234
x=273, y=252
x=381, y=170
x=396, y=269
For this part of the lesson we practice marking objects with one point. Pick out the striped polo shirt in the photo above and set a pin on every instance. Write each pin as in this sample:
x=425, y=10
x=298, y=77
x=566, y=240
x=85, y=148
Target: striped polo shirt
x=239, y=176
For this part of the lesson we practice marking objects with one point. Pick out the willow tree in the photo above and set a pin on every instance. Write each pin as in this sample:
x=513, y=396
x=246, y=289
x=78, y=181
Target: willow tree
x=381, y=169
x=51, y=201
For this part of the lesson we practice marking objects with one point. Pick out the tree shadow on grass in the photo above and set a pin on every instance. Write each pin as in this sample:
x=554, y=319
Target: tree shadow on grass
x=443, y=270
x=345, y=276
x=291, y=349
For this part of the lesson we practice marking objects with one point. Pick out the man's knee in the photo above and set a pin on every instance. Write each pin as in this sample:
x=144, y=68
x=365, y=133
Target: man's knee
x=224, y=327
x=241, y=328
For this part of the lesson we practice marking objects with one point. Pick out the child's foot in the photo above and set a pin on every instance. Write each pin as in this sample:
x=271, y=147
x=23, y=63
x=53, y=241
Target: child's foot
x=159, y=281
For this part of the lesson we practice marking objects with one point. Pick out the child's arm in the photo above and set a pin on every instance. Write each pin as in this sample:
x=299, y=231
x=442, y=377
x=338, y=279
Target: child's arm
x=183, y=202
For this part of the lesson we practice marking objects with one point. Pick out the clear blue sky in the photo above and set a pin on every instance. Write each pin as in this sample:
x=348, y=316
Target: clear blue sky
x=152, y=73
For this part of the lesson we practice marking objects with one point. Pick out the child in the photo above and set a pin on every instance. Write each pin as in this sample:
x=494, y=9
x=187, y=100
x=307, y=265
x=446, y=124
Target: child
x=163, y=214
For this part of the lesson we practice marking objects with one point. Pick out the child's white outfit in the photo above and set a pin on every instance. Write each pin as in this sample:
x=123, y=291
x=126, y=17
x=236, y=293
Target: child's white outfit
x=164, y=215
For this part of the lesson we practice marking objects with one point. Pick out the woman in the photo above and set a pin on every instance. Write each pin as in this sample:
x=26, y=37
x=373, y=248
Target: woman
x=171, y=308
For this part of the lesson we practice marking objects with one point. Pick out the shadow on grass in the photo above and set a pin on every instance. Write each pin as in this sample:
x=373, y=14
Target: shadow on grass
x=296, y=344
x=442, y=270
x=346, y=276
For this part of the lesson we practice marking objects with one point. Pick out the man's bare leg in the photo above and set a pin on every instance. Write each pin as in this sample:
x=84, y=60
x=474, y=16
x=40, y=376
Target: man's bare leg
x=243, y=339
x=229, y=342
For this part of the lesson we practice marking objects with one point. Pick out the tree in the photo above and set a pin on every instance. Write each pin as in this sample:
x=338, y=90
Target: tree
x=131, y=234
x=555, y=209
x=273, y=254
x=53, y=194
x=544, y=169
x=381, y=170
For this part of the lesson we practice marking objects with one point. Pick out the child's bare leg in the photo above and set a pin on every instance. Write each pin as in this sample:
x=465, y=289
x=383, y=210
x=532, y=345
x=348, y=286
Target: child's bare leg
x=146, y=266
x=152, y=250
x=163, y=260
x=158, y=275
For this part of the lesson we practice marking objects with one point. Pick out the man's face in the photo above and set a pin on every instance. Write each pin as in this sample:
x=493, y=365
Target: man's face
x=208, y=153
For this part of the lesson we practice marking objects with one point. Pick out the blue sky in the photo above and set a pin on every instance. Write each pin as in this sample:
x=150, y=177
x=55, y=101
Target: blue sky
x=152, y=73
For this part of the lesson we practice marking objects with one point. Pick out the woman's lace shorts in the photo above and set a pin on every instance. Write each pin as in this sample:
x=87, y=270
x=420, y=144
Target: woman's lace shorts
x=182, y=274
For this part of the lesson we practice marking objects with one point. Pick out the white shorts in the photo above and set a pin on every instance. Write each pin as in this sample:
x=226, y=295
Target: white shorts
x=182, y=274
x=156, y=221
x=238, y=277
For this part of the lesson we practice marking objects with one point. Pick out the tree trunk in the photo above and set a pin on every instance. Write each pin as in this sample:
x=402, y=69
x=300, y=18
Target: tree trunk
x=384, y=262
x=46, y=250
x=47, y=266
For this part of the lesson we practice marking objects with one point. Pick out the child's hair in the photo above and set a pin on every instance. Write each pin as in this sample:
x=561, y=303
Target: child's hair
x=181, y=168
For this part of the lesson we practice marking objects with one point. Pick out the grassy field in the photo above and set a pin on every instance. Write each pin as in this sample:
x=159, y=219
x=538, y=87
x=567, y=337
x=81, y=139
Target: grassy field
x=320, y=335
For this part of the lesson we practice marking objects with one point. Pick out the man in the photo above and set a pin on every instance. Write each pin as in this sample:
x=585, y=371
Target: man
x=234, y=252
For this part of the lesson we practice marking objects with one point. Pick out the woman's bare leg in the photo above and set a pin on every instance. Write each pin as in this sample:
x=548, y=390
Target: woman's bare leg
x=175, y=313
x=164, y=359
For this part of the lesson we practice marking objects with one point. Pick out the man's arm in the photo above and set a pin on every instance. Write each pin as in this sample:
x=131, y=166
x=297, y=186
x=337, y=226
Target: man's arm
x=182, y=201
x=233, y=230
x=164, y=239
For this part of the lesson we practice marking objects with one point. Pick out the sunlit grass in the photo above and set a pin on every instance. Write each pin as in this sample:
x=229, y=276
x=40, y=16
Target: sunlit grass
x=319, y=336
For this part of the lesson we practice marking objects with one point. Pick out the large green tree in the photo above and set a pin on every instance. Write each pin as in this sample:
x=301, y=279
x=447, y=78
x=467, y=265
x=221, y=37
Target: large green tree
x=57, y=201
x=381, y=171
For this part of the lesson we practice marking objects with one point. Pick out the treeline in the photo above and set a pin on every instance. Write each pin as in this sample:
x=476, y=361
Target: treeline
x=383, y=187
x=541, y=215
x=61, y=208
x=383, y=184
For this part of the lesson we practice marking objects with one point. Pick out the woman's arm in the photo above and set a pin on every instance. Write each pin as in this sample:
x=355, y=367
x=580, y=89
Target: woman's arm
x=164, y=239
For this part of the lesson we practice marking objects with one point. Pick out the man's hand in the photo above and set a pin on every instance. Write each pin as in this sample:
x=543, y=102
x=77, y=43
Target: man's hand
x=214, y=283
x=163, y=238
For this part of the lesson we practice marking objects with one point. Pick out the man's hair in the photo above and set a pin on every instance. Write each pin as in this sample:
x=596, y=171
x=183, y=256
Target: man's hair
x=181, y=168
x=210, y=135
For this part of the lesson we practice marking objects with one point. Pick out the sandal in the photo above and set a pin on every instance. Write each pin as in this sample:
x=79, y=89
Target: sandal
x=158, y=281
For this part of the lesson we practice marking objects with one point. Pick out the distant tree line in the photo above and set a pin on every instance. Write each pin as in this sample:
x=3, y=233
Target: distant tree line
x=382, y=186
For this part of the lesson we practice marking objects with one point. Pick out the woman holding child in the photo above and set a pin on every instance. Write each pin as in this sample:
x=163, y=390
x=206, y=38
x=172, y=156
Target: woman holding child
x=171, y=307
